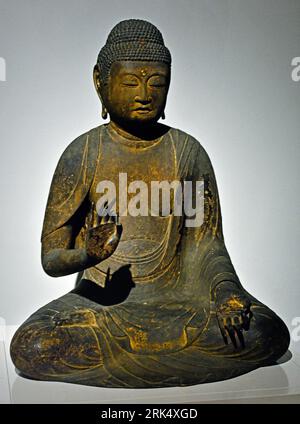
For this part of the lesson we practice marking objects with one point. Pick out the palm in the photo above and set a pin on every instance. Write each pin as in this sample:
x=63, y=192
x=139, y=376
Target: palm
x=234, y=317
x=103, y=238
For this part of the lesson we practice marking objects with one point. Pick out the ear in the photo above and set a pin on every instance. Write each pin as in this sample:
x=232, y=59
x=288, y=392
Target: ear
x=97, y=84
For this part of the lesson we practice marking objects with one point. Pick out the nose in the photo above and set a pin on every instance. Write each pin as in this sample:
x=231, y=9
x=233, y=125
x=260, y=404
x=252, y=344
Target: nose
x=143, y=96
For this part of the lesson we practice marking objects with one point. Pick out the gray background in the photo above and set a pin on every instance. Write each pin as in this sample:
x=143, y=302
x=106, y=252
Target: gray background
x=231, y=89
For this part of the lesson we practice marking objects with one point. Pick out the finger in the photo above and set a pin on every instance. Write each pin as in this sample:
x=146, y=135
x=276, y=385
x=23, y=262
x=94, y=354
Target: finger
x=119, y=229
x=222, y=331
x=246, y=319
x=247, y=306
x=117, y=218
x=240, y=336
x=236, y=320
x=111, y=212
x=112, y=219
x=100, y=217
x=105, y=213
x=231, y=333
x=110, y=206
x=101, y=213
x=226, y=320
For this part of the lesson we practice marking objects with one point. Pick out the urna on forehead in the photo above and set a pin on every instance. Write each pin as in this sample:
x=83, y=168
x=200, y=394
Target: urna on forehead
x=140, y=68
x=132, y=40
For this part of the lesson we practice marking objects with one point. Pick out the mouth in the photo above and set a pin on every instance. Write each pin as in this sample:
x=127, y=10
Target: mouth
x=142, y=109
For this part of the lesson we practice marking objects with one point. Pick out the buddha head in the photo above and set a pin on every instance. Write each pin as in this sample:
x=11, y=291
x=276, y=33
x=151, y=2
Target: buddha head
x=132, y=74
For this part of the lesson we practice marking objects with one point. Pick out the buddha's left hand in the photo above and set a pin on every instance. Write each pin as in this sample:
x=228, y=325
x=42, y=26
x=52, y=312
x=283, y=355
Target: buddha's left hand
x=234, y=315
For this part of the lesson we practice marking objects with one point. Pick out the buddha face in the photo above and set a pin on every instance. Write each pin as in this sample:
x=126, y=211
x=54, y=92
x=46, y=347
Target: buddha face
x=137, y=91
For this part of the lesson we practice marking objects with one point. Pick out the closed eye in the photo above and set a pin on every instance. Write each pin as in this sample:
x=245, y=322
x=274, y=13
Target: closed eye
x=157, y=81
x=157, y=85
x=129, y=83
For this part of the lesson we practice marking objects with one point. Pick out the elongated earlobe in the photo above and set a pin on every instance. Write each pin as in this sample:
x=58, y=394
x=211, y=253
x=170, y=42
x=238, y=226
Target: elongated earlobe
x=104, y=112
x=96, y=77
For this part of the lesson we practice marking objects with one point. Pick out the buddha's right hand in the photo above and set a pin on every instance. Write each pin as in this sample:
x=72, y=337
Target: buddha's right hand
x=103, y=238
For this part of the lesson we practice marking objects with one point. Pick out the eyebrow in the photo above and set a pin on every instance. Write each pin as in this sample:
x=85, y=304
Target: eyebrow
x=130, y=74
x=158, y=74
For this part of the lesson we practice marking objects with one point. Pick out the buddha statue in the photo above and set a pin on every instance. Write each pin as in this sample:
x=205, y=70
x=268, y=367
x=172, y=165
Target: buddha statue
x=158, y=302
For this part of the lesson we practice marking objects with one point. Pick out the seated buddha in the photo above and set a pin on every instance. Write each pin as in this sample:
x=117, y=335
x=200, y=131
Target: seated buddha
x=158, y=302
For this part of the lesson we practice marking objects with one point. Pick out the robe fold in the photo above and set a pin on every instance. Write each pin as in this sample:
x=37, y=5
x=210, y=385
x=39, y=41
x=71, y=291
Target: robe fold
x=166, y=332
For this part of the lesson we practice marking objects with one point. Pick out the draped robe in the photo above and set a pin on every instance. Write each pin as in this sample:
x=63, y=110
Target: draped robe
x=166, y=331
